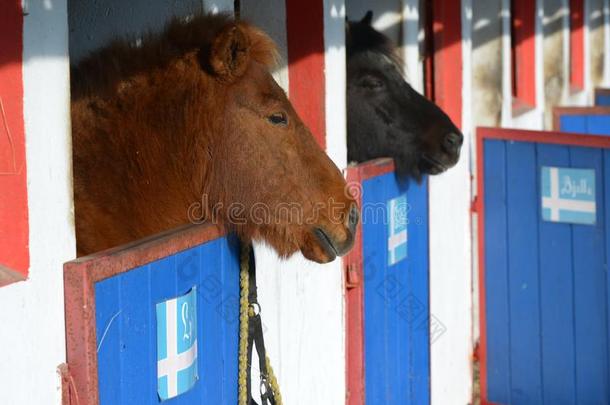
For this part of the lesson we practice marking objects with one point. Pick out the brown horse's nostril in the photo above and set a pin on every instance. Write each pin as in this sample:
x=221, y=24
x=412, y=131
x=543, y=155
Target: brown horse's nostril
x=453, y=142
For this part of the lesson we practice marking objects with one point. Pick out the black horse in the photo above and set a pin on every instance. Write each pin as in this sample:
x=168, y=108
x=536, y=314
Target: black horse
x=386, y=117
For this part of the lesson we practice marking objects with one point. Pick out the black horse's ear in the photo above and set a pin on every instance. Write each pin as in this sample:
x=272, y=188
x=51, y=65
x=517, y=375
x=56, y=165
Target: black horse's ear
x=368, y=18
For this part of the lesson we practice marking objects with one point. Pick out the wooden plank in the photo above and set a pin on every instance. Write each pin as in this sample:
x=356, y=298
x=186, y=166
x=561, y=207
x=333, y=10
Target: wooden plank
x=606, y=187
x=602, y=97
x=523, y=202
x=418, y=294
x=375, y=310
x=137, y=340
x=547, y=137
x=186, y=267
x=108, y=334
x=590, y=293
x=495, y=326
x=354, y=301
x=598, y=125
x=556, y=296
x=209, y=298
x=396, y=308
x=229, y=315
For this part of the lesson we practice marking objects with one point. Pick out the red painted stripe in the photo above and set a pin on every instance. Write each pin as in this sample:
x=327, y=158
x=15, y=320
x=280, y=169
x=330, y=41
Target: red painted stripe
x=14, y=232
x=524, y=51
x=446, y=22
x=307, y=86
x=577, y=51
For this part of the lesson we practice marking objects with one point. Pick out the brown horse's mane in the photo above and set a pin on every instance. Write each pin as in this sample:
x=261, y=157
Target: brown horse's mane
x=106, y=68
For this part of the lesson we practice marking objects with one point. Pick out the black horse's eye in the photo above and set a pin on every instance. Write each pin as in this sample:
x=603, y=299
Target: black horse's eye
x=278, y=118
x=371, y=82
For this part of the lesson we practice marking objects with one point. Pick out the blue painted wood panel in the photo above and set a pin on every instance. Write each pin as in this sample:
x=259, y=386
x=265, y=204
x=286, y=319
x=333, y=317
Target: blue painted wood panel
x=593, y=124
x=558, y=347
x=546, y=284
x=396, y=297
x=497, y=276
x=126, y=325
x=602, y=99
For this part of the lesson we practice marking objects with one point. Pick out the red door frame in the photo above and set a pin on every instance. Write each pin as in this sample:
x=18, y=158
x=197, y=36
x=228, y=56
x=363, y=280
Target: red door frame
x=523, y=49
x=443, y=22
x=577, y=44
x=306, y=80
x=557, y=138
x=559, y=112
x=14, y=228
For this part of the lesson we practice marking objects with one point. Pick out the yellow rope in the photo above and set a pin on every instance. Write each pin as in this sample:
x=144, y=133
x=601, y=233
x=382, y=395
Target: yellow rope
x=244, y=313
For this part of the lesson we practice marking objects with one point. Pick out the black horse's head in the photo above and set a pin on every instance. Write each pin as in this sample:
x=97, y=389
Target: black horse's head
x=386, y=117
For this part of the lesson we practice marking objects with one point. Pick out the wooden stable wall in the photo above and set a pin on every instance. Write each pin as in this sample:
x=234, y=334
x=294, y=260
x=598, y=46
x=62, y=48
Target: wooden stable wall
x=302, y=302
x=32, y=339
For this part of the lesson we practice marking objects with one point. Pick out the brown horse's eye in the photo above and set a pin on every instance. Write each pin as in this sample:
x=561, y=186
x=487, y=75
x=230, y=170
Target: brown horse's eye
x=278, y=118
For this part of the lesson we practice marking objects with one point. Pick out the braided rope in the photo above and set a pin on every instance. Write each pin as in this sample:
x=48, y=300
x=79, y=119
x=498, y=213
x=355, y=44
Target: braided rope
x=244, y=313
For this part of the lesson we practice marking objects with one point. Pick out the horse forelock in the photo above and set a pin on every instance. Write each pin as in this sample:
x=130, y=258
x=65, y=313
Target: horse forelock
x=124, y=58
x=363, y=38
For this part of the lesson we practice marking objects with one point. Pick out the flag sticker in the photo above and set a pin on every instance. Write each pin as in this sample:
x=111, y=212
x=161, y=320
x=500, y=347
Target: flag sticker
x=568, y=195
x=177, y=345
x=397, y=229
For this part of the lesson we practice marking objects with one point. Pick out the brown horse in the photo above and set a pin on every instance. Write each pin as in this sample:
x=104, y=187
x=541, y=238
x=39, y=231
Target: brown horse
x=190, y=118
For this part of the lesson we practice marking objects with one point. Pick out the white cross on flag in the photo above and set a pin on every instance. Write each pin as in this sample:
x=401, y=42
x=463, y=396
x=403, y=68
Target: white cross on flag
x=177, y=345
x=397, y=229
x=568, y=195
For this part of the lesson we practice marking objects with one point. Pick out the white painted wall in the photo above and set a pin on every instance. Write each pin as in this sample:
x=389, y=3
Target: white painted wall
x=32, y=340
x=450, y=258
x=411, y=41
x=606, y=11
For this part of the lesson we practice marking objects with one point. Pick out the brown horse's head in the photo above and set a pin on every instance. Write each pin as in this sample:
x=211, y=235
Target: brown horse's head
x=191, y=125
x=283, y=187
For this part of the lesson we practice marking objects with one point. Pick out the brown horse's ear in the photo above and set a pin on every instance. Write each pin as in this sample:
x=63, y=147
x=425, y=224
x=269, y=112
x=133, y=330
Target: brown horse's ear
x=230, y=53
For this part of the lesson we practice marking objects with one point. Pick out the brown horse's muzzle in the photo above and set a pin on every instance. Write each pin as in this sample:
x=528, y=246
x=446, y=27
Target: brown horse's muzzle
x=325, y=242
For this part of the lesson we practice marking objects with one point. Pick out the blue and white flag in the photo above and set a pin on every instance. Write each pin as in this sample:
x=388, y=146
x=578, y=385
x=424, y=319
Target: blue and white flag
x=177, y=345
x=397, y=229
x=568, y=195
